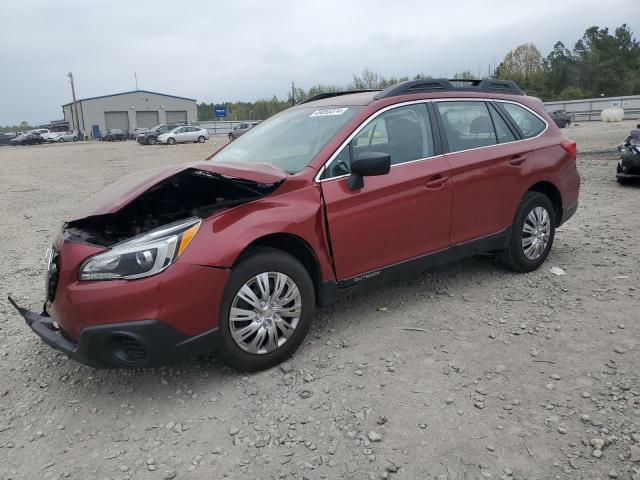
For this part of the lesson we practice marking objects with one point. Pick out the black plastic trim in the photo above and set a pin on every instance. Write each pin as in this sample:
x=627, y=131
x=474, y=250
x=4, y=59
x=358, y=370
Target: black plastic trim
x=498, y=241
x=487, y=85
x=568, y=212
x=438, y=148
x=163, y=343
x=321, y=96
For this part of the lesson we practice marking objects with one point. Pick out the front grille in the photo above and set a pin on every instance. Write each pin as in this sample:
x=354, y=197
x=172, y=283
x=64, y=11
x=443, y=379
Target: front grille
x=53, y=274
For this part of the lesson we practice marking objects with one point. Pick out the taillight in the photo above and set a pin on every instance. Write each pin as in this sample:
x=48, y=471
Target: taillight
x=570, y=147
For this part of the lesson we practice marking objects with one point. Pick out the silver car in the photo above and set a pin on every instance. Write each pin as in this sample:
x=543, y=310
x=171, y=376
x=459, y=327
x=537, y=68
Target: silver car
x=184, y=134
x=60, y=137
x=241, y=128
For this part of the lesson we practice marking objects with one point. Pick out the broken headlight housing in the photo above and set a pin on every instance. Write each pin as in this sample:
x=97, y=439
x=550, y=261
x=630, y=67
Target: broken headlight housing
x=142, y=256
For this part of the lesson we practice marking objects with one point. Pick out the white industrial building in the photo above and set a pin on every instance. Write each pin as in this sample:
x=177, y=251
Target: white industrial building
x=128, y=110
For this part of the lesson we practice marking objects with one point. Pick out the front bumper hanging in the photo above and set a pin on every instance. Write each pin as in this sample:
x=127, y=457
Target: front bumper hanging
x=135, y=344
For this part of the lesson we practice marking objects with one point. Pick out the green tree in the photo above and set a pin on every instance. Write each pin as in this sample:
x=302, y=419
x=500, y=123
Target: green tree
x=571, y=93
x=524, y=66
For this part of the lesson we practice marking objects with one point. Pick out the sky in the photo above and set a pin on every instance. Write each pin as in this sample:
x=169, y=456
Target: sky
x=243, y=50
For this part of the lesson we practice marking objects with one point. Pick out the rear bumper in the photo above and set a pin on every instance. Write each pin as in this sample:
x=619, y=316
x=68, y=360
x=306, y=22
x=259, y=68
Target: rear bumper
x=137, y=344
x=634, y=175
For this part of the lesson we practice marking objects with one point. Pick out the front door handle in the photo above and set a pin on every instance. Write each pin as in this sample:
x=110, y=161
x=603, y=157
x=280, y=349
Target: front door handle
x=437, y=181
x=517, y=160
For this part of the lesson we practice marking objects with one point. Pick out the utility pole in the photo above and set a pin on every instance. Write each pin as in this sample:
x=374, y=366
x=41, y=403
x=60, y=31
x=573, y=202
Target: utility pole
x=293, y=93
x=135, y=75
x=74, y=110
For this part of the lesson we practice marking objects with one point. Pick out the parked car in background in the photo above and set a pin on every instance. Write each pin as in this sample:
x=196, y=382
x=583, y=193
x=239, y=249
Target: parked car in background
x=151, y=137
x=235, y=253
x=241, y=129
x=68, y=137
x=5, y=138
x=114, y=134
x=628, y=168
x=561, y=118
x=29, y=138
x=60, y=137
x=133, y=134
x=184, y=134
x=46, y=136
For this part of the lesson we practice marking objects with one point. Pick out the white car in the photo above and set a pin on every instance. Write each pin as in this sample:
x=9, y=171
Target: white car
x=60, y=137
x=184, y=134
x=50, y=136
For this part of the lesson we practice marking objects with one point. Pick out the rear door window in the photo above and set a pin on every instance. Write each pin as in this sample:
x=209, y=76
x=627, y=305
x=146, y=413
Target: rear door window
x=504, y=133
x=467, y=125
x=528, y=123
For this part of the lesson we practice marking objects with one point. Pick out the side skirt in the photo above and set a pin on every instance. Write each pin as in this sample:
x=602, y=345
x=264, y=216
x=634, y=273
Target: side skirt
x=332, y=291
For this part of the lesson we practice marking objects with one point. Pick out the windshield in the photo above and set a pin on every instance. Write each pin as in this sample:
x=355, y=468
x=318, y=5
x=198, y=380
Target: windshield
x=290, y=139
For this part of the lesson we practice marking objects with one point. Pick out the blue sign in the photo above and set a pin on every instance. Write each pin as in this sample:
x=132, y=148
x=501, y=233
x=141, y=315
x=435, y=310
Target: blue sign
x=221, y=111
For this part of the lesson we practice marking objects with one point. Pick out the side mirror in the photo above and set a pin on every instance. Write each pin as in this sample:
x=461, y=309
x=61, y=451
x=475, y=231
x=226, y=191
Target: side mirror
x=368, y=164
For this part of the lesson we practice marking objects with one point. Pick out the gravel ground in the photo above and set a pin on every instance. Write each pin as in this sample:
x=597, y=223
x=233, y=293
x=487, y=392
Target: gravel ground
x=459, y=373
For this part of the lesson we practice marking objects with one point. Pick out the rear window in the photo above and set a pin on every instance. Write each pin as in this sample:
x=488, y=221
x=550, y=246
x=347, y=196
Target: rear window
x=528, y=123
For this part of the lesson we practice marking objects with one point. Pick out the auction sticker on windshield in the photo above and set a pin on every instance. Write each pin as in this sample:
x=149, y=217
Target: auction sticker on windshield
x=328, y=111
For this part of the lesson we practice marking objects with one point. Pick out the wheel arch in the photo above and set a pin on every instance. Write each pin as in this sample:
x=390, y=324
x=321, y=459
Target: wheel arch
x=551, y=191
x=295, y=246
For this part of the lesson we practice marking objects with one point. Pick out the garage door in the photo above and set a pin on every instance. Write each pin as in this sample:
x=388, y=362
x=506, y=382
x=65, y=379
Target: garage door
x=117, y=120
x=177, y=116
x=147, y=119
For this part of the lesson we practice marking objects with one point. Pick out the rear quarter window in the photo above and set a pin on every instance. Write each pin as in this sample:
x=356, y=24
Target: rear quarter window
x=530, y=125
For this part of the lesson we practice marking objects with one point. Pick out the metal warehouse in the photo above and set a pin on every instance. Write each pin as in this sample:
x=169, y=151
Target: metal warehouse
x=128, y=110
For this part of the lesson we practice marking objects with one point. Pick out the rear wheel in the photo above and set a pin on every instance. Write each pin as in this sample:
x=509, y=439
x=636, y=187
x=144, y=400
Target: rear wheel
x=532, y=234
x=266, y=311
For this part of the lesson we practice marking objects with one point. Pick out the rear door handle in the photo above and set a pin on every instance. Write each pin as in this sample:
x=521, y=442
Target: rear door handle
x=437, y=181
x=517, y=160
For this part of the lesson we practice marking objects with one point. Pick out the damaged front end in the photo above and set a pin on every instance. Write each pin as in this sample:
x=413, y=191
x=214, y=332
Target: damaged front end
x=187, y=194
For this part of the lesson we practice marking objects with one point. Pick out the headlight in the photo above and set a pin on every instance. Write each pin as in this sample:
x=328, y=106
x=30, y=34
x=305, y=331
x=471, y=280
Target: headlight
x=142, y=256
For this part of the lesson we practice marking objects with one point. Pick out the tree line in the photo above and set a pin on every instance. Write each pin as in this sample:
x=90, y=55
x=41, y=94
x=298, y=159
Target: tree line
x=601, y=63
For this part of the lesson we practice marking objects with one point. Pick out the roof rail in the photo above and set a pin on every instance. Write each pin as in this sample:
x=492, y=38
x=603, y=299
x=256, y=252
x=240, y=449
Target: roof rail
x=489, y=85
x=320, y=96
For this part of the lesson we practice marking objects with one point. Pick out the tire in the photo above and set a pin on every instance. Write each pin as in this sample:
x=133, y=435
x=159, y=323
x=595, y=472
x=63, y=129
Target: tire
x=75, y=139
x=230, y=138
x=273, y=262
x=514, y=256
x=171, y=141
x=152, y=140
x=201, y=139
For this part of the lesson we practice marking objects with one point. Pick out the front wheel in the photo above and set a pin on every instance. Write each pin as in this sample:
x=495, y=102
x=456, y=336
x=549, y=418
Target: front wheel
x=171, y=141
x=532, y=234
x=152, y=140
x=266, y=310
x=200, y=139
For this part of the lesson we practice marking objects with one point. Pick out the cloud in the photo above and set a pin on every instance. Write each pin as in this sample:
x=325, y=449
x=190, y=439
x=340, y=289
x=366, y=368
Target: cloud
x=251, y=49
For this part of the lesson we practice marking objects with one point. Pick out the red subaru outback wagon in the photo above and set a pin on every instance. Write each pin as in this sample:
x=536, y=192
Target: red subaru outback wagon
x=234, y=253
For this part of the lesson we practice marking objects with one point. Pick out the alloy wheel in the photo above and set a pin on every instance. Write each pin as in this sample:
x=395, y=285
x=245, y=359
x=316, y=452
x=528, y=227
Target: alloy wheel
x=536, y=232
x=265, y=312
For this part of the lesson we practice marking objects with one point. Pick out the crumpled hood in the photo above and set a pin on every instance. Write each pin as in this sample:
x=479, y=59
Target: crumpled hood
x=123, y=191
